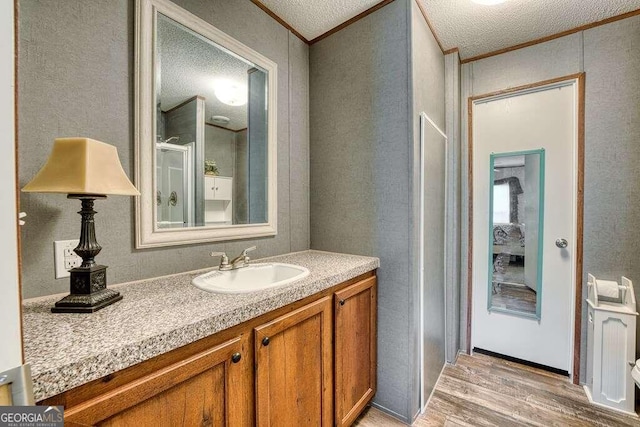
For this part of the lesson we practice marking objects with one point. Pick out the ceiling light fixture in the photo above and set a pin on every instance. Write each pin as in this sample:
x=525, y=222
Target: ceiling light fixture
x=231, y=93
x=220, y=120
x=488, y=2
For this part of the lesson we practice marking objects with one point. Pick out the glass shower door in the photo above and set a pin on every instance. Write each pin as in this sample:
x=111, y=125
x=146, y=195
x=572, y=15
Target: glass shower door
x=172, y=176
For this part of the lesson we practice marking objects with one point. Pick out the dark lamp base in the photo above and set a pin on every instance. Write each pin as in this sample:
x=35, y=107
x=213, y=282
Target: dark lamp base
x=89, y=291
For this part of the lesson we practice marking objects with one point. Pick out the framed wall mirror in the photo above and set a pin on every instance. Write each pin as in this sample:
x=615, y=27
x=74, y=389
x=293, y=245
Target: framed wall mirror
x=205, y=110
x=515, y=227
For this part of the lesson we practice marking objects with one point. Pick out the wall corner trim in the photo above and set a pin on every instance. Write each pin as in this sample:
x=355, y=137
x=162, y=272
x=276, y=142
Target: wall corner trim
x=280, y=21
x=433, y=32
x=552, y=36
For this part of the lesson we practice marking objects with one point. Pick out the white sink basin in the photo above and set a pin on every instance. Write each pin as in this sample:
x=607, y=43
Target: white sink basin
x=254, y=277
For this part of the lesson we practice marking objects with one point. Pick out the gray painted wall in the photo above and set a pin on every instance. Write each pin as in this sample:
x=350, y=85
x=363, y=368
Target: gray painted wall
x=299, y=152
x=240, y=185
x=187, y=123
x=360, y=154
x=79, y=82
x=258, y=203
x=427, y=82
x=610, y=57
x=364, y=131
x=452, y=289
x=220, y=145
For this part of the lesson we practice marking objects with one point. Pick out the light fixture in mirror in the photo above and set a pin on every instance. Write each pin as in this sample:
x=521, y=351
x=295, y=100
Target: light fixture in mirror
x=205, y=129
x=515, y=227
x=231, y=93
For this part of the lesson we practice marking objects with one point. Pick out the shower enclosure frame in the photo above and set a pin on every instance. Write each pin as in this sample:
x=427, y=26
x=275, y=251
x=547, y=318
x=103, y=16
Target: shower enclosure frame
x=187, y=160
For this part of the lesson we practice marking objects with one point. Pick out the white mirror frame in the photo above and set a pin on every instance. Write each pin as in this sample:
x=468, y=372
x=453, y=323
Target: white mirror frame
x=148, y=235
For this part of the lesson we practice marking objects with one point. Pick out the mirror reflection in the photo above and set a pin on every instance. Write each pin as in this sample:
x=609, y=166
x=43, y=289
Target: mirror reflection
x=211, y=129
x=517, y=183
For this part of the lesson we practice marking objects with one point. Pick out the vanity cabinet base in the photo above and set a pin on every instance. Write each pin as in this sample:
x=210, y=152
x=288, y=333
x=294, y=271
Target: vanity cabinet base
x=281, y=368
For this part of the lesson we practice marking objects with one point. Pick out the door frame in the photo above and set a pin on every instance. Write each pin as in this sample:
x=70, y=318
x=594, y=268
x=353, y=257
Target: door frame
x=11, y=353
x=187, y=151
x=580, y=80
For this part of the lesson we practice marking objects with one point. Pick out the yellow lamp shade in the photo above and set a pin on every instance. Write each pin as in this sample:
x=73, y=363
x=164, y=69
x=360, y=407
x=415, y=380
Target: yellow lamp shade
x=82, y=166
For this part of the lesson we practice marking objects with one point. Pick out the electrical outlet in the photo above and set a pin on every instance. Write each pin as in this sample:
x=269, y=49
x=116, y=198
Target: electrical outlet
x=72, y=262
x=64, y=257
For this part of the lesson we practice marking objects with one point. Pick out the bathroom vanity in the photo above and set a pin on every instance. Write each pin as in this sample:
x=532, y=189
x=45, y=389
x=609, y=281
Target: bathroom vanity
x=172, y=354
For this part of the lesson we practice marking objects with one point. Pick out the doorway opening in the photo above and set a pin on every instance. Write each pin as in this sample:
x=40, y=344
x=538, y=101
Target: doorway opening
x=547, y=117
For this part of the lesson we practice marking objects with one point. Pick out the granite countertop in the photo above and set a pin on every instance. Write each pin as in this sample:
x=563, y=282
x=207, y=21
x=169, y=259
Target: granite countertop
x=157, y=315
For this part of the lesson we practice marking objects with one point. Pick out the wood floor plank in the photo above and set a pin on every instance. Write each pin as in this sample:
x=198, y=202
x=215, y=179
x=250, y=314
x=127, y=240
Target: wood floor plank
x=553, y=399
x=451, y=423
x=483, y=391
x=431, y=418
x=469, y=413
x=534, y=377
x=514, y=367
x=372, y=417
x=516, y=407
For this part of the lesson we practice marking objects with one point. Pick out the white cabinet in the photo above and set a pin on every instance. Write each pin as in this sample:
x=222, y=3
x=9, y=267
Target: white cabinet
x=611, y=344
x=218, y=188
x=218, y=196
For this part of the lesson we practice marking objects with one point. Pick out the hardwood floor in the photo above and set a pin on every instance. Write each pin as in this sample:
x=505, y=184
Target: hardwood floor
x=514, y=297
x=481, y=390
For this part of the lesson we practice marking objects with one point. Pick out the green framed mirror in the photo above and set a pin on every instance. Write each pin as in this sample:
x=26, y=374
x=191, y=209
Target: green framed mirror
x=516, y=224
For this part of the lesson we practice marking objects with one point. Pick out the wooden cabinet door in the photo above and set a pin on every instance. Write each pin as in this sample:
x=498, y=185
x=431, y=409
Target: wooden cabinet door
x=294, y=368
x=355, y=352
x=207, y=389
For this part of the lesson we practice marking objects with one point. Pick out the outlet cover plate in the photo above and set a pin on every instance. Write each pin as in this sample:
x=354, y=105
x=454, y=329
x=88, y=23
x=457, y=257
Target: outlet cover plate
x=64, y=257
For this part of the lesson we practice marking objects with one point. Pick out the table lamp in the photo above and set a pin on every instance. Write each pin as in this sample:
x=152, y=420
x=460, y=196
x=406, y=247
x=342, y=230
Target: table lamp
x=84, y=169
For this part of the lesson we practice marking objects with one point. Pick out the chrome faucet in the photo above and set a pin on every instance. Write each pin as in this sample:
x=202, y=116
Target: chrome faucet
x=224, y=260
x=240, y=261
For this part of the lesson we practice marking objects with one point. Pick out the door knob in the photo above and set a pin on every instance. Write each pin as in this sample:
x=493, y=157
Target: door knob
x=173, y=198
x=562, y=243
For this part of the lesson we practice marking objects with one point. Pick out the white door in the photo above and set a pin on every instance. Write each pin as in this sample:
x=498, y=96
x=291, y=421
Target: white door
x=524, y=199
x=10, y=337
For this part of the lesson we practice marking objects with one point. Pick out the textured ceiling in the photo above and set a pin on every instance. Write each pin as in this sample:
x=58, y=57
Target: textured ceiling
x=477, y=29
x=312, y=18
x=190, y=65
x=474, y=29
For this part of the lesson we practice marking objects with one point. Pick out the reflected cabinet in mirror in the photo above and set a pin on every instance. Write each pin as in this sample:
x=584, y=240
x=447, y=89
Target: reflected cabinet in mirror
x=205, y=132
x=515, y=227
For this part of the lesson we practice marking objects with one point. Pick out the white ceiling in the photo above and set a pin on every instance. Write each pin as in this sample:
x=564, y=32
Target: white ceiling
x=189, y=66
x=312, y=18
x=477, y=29
x=473, y=28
